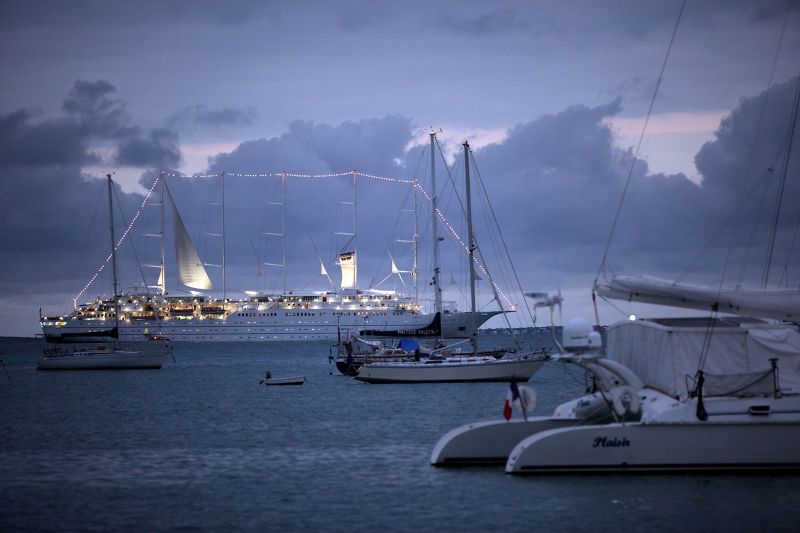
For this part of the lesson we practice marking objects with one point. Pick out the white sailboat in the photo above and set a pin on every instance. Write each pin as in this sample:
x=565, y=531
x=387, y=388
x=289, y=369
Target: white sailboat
x=470, y=367
x=101, y=357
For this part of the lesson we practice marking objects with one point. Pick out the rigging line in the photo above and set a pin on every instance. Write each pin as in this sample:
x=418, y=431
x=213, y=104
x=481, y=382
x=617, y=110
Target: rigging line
x=757, y=184
x=748, y=251
x=757, y=135
x=495, y=236
x=784, y=281
x=639, y=144
x=503, y=241
x=781, y=189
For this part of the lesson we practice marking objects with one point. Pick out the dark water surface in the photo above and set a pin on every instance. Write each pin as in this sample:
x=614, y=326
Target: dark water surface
x=200, y=444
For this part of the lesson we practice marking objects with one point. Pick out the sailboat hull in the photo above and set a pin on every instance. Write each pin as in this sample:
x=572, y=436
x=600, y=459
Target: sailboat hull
x=97, y=360
x=453, y=370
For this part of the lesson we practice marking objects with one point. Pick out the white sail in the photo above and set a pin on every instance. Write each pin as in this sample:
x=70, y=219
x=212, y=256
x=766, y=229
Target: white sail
x=781, y=304
x=347, y=261
x=190, y=270
x=160, y=282
x=322, y=270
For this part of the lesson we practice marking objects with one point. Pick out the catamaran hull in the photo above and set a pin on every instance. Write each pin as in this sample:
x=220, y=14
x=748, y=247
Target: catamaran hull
x=491, y=442
x=672, y=447
x=103, y=361
x=497, y=370
x=487, y=443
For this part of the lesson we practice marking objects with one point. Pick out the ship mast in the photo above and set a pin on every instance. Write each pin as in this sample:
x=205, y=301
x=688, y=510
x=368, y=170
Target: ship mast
x=471, y=244
x=163, y=243
x=222, y=181
x=437, y=291
x=355, y=229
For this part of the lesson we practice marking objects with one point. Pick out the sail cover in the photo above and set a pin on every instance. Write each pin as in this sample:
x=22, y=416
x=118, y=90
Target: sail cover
x=666, y=354
x=190, y=270
x=780, y=304
x=347, y=261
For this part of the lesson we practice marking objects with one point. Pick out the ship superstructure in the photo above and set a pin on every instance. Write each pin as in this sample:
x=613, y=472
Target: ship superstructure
x=312, y=316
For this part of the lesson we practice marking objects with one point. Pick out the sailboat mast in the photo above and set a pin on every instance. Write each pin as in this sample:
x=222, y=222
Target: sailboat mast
x=415, y=246
x=113, y=254
x=437, y=291
x=222, y=181
x=113, y=241
x=471, y=243
x=283, y=226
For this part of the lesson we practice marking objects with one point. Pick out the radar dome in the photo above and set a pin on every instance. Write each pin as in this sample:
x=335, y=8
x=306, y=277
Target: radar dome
x=575, y=335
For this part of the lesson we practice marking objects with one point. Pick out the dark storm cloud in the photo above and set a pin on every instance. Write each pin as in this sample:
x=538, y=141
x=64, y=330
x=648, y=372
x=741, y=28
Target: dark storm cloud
x=46, y=199
x=159, y=149
x=92, y=114
x=24, y=142
x=369, y=143
x=565, y=174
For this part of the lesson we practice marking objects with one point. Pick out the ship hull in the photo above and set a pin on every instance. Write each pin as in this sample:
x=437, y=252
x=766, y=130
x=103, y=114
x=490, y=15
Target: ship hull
x=292, y=326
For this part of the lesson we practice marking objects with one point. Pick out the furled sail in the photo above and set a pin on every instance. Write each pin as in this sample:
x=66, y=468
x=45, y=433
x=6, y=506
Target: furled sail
x=190, y=270
x=161, y=279
x=347, y=262
x=781, y=304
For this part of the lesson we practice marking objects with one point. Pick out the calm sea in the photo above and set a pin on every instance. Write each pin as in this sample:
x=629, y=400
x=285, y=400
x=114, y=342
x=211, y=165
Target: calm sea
x=200, y=444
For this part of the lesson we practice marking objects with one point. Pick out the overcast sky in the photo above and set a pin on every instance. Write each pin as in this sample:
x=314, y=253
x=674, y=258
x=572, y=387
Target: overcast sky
x=551, y=95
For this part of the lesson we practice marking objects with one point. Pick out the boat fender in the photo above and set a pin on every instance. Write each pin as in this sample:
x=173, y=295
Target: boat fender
x=625, y=399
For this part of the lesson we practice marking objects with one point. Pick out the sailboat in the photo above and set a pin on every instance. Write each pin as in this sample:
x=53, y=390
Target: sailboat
x=467, y=367
x=103, y=356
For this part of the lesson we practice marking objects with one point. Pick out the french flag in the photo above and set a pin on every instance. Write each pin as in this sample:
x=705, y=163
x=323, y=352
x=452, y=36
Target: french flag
x=513, y=394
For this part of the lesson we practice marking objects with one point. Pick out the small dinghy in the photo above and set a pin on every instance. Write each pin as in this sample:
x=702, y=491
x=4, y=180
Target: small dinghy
x=295, y=380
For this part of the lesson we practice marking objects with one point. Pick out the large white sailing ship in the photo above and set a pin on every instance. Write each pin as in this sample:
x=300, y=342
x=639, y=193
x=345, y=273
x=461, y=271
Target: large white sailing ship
x=283, y=316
